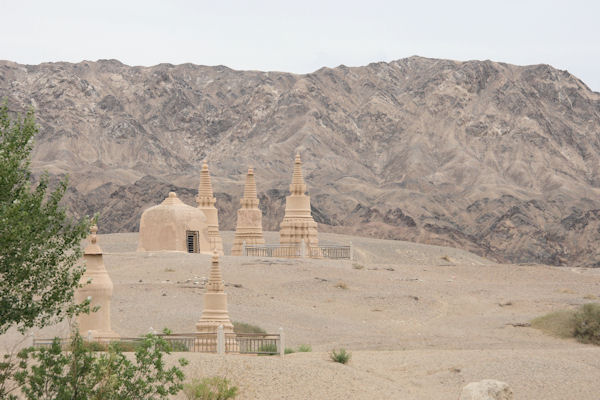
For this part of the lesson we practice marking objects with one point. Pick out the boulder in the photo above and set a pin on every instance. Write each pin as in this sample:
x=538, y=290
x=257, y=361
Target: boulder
x=487, y=389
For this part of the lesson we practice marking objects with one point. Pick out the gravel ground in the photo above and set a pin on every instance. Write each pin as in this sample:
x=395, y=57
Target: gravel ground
x=421, y=321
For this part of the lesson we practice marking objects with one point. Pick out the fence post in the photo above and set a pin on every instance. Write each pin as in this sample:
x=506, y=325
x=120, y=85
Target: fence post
x=281, y=342
x=302, y=249
x=90, y=336
x=351, y=252
x=31, y=339
x=244, y=253
x=220, y=340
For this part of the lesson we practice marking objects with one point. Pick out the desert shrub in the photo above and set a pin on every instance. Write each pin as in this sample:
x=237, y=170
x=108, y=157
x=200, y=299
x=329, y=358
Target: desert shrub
x=341, y=285
x=587, y=323
x=215, y=388
x=558, y=323
x=270, y=348
x=357, y=266
x=288, y=350
x=304, y=348
x=340, y=356
x=242, y=327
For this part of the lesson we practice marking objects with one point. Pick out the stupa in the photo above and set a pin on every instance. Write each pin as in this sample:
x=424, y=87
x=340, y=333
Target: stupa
x=249, y=218
x=298, y=223
x=174, y=226
x=98, y=290
x=206, y=203
x=215, y=302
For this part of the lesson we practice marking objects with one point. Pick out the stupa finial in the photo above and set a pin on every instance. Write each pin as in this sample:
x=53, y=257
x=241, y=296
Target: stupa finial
x=93, y=247
x=93, y=236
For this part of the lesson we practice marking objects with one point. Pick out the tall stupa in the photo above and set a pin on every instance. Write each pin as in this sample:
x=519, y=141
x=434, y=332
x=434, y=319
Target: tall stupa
x=99, y=290
x=298, y=223
x=215, y=303
x=206, y=202
x=249, y=218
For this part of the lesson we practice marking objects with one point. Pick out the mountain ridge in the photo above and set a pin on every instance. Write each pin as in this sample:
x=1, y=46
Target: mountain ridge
x=498, y=159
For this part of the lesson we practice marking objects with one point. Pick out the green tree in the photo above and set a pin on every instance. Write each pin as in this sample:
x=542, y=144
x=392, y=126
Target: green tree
x=39, y=243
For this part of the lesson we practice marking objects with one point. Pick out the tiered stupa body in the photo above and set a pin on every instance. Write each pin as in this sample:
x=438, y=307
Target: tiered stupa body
x=206, y=203
x=174, y=226
x=249, y=218
x=99, y=290
x=215, y=302
x=298, y=223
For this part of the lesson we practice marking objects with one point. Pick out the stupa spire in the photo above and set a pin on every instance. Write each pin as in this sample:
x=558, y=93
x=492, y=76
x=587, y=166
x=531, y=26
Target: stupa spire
x=298, y=224
x=249, y=218
x=215, y=279
x=206, y=202
x=250, y=199
x=205, y=191
x=298, y=187
x=250, y=187
x=215, y=312
x=97, y=287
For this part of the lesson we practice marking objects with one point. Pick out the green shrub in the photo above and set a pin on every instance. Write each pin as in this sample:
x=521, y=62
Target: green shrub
x=215, y=388
x=288, y=350
x=340, y=356
x=83, y=374
x=304, y=348
x=242, y=327
x=270, y=348
x=95, y=346
x=178, y=346
x=587, y=323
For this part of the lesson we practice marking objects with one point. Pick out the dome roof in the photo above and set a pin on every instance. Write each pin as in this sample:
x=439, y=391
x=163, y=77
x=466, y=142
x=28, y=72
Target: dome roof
x=165, y=226
x=175, y=208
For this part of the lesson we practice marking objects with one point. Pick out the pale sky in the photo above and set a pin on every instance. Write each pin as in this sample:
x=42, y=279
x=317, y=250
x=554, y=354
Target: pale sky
x=302, y=36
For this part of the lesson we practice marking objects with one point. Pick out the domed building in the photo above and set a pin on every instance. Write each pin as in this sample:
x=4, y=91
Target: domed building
x=174, y=226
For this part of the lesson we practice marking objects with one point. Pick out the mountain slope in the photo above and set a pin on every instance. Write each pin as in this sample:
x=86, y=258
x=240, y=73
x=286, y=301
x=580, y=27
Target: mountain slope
x=498, y=159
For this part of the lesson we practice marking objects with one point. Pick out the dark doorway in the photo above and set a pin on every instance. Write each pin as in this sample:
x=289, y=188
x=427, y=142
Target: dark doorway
x=192, y=241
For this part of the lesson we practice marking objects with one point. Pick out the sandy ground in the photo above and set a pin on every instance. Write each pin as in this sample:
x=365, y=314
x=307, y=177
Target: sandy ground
x=421, y=321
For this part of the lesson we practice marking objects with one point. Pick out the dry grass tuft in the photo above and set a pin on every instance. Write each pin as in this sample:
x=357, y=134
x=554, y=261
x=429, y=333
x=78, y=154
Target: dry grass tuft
x=341, y=285
x=242, y=327
x=567, y=291
x=559, y=323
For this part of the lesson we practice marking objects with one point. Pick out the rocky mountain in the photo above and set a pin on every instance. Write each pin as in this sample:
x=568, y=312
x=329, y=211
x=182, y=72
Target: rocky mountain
x=498, y=159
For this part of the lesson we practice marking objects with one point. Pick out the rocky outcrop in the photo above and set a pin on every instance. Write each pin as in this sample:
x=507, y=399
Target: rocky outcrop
x=487, y=389
x=498, y=159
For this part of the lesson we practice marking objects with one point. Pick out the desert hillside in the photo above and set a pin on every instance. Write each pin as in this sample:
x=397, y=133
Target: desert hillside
x=421, y=321
x=498, y=159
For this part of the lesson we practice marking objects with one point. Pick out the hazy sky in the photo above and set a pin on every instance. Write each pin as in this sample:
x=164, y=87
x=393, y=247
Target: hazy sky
x=304, y=35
